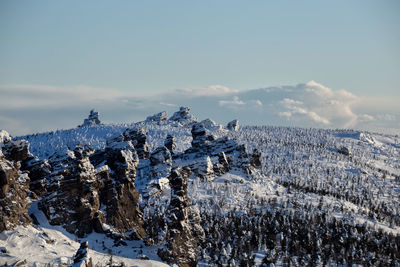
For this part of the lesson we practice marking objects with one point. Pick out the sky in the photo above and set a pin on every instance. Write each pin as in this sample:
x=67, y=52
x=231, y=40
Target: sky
x=129, y=59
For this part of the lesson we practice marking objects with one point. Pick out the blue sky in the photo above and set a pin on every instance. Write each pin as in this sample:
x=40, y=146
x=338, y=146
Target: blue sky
x=143, y=48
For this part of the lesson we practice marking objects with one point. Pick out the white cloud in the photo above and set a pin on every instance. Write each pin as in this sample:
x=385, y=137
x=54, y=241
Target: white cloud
x=320, y=105
x=212, y=90
x=231, y=103
x=297, y=108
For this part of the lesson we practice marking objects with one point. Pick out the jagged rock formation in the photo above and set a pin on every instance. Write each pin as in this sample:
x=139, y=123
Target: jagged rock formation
x=183, y=116
x=72, y=196
x=138, y=137
x=38, y=171
x=233, y=125
x=81, y=258
x=14, y=184
x=121, y=194
x=183, y=233
x=83, y=199
x=225, y=154
x=159, y=117
x=93, y=119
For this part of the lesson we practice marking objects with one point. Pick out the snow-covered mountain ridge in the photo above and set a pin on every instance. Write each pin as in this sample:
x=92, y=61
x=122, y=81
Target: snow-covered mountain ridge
x=248, y=195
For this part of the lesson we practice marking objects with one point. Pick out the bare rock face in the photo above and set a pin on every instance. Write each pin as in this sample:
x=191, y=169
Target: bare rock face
x=233, y=125
x=93, y=119
x=14, y=185
x=121, y=194
x=38, y=171
x=184, y=231
x=72, y=197
x=183, y=116
x=158, y=118
x=82, y=198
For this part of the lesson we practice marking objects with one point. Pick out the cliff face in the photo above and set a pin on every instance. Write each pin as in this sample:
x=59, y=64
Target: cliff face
x=14, y=184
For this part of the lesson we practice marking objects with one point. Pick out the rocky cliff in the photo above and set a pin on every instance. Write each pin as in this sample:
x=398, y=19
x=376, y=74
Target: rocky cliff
x=14, y=183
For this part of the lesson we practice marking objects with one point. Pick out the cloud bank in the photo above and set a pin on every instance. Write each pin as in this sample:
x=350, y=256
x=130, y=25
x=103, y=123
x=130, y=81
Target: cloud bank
x=32, y=108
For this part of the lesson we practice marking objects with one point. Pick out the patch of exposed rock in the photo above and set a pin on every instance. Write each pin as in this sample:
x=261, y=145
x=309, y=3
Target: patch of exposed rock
x=83, y=198
x=14, y=184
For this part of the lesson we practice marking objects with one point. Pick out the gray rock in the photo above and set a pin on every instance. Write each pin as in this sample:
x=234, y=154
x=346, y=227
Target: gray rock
x=233, y=125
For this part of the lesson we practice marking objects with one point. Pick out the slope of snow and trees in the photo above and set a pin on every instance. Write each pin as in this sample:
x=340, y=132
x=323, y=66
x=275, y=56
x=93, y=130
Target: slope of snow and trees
x=176, y=190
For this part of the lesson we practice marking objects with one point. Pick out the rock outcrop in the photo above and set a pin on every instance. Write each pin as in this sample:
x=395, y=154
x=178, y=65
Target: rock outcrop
x=83, y=198
x=183, y=233
x=38, y=171
x=81, y=258
x=183, y=116
x=225, y=154
x=121, y=194
x=233, y=125
x=93, y=119
x=158, y=118
x=138, y=137
x=14, y=184
x=72, y=197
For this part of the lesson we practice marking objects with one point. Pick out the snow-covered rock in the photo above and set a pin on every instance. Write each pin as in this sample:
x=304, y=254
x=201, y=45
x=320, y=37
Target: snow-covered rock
x=183, y=116
x=81, y=258
x=93, y=119
x=158, y=118
x=233, y=125
x=182, y=240
x=170, y=143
